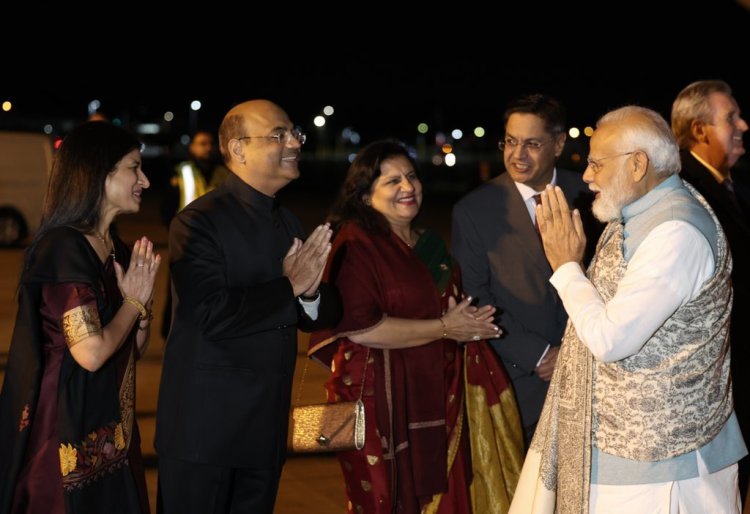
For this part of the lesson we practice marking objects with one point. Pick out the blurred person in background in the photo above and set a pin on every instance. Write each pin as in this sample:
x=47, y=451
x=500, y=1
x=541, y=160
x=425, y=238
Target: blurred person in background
x=192, y=178
x=199, y=173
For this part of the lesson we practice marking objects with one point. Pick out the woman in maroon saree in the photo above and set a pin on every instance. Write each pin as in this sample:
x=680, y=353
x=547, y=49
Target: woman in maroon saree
x=69, y=441
x=401, y=328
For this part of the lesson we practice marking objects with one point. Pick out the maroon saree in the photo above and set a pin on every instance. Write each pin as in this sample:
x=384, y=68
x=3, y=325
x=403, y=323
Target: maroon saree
x=69, y=441
x=417, y=455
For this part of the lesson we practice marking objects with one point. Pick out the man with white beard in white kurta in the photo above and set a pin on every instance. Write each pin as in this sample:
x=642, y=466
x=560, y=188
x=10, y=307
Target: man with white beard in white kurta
x=639, y=415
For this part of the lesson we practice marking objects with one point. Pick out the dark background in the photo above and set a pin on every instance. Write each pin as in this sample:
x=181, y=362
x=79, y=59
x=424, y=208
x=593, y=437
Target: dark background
x=455, y=67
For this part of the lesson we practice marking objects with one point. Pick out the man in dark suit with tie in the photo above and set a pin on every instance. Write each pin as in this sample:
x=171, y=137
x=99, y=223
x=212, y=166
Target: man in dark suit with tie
x=708, y=127
x=243, y=283
x=502, y=261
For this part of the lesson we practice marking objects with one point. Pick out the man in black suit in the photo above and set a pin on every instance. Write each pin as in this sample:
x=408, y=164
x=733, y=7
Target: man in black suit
x=243, y=283
x=502, y=261
x=708, y=127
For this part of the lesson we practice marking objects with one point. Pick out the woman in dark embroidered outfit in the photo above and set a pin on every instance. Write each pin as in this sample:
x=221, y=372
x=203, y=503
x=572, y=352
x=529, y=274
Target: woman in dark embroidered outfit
x=425, y=399
x=69, y=441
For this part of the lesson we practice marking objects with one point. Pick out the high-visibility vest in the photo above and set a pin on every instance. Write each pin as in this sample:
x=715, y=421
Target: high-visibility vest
x=191, y=183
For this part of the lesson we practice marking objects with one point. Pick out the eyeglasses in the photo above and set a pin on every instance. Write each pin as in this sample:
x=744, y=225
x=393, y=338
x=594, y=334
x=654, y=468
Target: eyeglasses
x=282, y=137
x=596, y=164
x=532, y=145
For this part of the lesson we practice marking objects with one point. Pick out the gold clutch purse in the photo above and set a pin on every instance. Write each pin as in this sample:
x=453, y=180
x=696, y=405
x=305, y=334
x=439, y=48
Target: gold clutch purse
x=328, y=427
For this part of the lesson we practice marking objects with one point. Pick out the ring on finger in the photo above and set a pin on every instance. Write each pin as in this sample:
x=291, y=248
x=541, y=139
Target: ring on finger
x=140, y=264
x=475, y=338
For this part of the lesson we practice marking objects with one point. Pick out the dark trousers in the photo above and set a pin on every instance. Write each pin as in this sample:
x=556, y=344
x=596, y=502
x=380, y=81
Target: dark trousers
x=187, y=487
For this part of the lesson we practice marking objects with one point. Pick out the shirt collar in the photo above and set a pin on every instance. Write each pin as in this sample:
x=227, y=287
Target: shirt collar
x=248, y=194
x=714, y=172
x=528, y=192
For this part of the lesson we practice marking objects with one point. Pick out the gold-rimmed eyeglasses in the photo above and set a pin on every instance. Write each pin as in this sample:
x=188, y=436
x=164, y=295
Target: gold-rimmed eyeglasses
x=596, y=164
x=282, y=137
x=511, y=143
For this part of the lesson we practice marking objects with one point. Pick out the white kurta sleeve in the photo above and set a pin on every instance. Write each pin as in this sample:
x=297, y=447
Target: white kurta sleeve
x=666, y=271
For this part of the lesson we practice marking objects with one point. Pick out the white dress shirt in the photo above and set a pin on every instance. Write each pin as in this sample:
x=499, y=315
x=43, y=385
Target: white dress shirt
x=528, y=193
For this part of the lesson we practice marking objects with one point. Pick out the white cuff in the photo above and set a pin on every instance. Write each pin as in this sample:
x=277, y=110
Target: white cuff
x=310, y=306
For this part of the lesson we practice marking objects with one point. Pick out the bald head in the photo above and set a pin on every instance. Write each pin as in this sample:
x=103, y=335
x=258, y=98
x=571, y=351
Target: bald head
x=242, y=119
x=258, y=144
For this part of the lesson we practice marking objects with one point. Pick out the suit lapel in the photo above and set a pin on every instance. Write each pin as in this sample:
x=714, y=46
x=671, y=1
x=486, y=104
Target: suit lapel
x=717, y=196
x=522, y=225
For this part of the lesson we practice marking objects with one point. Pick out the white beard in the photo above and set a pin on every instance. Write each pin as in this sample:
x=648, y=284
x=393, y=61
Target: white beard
x=610, y=202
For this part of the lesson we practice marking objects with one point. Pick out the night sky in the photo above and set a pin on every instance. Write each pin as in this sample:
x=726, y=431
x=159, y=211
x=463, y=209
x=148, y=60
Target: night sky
x=407, y=79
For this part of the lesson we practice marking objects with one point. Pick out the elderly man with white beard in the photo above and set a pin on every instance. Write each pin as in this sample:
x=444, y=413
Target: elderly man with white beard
x=639, y=415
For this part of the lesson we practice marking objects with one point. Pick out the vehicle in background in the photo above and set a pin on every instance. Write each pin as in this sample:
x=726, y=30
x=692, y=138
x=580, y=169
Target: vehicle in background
x=25, y=163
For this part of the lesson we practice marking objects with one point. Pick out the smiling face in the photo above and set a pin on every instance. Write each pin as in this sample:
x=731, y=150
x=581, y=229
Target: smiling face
x=397, y=192
x=124, y=185
x=531, y=159
x=266, y=154
x=724, y=133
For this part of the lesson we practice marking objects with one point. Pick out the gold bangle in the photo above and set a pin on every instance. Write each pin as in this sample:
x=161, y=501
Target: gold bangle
x=142, y=311
x=148, y=321
x=445, y=328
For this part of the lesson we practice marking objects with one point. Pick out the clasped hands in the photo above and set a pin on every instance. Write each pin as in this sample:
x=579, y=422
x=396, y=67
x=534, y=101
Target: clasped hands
x=138, y=280
x=465, y=322
x=561, y=229
x=304, y=262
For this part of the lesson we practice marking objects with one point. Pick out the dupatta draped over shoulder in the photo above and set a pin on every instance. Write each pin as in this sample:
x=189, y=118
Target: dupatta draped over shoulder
x=418, y=392
x=377, y=276
x=91, y=413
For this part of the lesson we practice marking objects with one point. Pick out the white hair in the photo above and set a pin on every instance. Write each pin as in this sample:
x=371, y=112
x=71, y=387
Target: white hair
x=647, y=131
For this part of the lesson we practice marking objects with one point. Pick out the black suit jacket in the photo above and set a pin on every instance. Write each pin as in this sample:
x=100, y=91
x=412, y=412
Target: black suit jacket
x=734, y=216
x=503, y=264
x=226, y=380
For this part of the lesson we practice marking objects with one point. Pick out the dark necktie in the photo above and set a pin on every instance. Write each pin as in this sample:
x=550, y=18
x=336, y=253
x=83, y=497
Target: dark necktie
x=729, y=186
x=538, y=200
